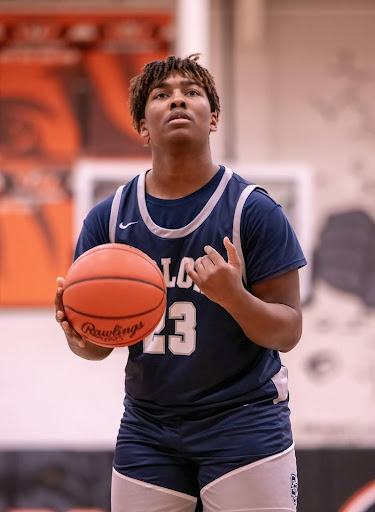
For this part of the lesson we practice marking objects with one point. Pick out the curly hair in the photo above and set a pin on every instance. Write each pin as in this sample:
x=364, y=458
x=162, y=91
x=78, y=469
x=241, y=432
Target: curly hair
x=157, y=71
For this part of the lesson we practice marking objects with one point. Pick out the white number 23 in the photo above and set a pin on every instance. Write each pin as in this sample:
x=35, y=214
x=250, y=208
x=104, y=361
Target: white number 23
x=183, y=342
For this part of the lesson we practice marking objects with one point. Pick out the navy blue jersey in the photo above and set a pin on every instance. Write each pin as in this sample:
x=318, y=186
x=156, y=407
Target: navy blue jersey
x=198, y=357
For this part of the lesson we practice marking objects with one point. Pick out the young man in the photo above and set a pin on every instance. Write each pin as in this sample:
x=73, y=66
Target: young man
x=206, y=407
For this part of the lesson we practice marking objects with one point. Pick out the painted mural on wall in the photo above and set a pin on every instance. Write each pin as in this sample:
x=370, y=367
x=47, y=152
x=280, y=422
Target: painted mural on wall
x=63, y=94
x=325, y=114
x=346, y=249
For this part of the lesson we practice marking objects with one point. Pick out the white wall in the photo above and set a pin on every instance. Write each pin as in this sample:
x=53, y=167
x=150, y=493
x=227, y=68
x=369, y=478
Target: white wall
x=50, y=397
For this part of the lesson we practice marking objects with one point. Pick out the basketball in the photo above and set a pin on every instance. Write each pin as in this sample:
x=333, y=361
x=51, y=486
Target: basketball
x=114, y=295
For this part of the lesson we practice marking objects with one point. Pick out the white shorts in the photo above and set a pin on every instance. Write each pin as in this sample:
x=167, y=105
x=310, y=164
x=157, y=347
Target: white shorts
x=268, y=484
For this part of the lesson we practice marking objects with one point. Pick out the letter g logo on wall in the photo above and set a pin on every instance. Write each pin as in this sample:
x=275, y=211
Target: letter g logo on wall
x=362, y=501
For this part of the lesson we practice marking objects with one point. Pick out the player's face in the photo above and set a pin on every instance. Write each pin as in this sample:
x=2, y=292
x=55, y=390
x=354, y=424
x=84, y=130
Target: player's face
x=178, y=110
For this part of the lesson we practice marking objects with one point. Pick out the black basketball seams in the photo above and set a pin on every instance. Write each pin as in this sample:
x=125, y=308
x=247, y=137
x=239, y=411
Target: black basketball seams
x=122, y=247
x=118, y=278
x=122, y=317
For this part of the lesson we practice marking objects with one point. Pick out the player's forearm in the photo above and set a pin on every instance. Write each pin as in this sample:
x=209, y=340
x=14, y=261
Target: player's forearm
x=90, y=351
x=274, y=326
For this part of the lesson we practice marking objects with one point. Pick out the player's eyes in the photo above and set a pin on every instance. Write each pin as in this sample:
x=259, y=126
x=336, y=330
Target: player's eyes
x=162, y=95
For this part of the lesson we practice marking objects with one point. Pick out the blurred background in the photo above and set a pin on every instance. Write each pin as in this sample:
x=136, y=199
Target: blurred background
x=297, y=85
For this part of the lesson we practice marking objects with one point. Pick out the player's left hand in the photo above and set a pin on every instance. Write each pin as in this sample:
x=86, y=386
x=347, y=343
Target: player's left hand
x=219, y=280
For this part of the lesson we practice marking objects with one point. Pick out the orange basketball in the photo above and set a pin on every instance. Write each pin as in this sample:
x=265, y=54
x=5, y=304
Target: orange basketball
x=114, y=295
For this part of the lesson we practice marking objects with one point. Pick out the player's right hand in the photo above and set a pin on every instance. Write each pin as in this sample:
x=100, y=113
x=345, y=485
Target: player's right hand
x=74, y=339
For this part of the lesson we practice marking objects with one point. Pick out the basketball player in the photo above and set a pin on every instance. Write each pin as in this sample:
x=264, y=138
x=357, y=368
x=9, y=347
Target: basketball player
x=206, y=407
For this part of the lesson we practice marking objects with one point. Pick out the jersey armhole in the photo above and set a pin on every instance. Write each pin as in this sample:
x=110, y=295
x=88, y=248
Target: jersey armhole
x=114, y=214
x=237, y=225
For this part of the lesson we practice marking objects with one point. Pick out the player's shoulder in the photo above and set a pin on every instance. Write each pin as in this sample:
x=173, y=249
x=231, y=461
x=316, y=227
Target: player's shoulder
x=101, y=211
x=259, y=199
x=97, y=221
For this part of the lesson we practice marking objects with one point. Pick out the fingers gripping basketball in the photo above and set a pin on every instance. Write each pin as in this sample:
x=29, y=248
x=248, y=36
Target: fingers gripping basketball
x=114, y=295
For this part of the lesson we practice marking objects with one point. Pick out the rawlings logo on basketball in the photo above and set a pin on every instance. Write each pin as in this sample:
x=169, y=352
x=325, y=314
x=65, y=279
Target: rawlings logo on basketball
x=117, y=332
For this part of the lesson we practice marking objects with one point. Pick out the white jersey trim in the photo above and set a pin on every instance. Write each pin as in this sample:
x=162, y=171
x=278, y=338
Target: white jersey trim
x=156, y=487
x=237, y=226
x=114, y=214
x=244, y=468
x=194, y=224
x=280, y=380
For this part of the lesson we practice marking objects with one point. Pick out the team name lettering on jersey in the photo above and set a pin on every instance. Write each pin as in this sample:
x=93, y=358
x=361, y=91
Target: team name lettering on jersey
x=181, y=280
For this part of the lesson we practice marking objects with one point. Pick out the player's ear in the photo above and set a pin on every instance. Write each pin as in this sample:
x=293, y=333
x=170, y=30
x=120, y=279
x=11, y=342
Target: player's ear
x=214, y=122
x=143, y=130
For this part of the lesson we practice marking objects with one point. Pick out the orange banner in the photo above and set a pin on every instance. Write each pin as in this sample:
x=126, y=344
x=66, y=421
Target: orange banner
x=63, y=94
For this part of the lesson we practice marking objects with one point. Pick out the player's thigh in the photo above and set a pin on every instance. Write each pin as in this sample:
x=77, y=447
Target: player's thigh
x=265, y=485
x=130, y=495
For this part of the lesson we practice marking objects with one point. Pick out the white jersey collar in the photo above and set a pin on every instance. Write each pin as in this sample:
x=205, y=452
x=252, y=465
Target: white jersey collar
x=194, y=224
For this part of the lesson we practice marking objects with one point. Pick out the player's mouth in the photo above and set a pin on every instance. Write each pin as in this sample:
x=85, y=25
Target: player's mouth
x=178, y=116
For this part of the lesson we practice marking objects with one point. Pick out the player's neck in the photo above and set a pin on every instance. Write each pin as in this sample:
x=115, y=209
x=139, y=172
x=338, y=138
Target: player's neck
x=173, y=177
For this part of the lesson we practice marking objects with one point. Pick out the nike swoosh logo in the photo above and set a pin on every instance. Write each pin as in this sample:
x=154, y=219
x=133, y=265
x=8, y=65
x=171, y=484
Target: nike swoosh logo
x=121, y=226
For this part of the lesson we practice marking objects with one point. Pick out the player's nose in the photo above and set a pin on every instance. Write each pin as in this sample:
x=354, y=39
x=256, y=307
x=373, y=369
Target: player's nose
x=177, y=103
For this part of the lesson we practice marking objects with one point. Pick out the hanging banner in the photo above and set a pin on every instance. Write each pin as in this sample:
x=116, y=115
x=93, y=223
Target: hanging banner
x=63, y=94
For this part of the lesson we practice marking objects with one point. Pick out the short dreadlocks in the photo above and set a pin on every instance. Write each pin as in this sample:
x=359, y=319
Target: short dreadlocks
x=157, y=71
